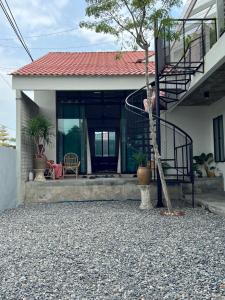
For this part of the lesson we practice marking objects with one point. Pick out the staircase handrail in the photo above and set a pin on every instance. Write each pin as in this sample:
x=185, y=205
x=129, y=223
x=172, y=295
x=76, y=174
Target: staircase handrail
x=163, y=120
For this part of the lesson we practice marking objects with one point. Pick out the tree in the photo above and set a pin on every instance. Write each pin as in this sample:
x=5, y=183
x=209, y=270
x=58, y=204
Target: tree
x=137, y=18
x=5, y=139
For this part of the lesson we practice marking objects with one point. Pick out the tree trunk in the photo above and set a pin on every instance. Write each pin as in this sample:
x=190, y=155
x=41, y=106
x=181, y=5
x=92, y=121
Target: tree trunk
x=153, y=134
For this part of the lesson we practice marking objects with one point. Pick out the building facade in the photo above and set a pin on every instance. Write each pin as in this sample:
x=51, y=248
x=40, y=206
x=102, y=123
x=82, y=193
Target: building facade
x=83, y=95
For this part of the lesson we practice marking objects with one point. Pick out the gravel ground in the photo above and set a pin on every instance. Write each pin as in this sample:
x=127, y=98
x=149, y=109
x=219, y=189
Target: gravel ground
x=110, y=250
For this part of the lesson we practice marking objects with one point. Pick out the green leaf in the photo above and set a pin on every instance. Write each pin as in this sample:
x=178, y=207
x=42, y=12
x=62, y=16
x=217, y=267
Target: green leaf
x=39, y=129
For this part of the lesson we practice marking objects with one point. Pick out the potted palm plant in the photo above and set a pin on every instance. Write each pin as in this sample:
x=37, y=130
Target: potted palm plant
x=143, y=170
x=39, y=129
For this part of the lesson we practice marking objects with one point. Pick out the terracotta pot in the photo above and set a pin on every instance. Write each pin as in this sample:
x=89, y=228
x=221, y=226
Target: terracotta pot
x=144, y=175
x=39, y=164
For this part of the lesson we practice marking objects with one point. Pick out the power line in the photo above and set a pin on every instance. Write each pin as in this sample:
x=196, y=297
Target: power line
x=14, y=26
x=44, y=34
x=55, y=48
x=7, y=68
x=21, y=36
x=2, y=77
x=7, y=127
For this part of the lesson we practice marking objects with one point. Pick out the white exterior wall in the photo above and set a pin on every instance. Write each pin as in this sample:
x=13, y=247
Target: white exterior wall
x=45, y=97
x=82, y=83
x=213, y=60
x=46, y=100
x=194, y=121
x=197, y=121
x=214, y=111
x=8, y=197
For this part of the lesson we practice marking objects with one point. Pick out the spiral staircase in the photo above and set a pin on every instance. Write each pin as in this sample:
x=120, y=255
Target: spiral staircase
x=176, y=63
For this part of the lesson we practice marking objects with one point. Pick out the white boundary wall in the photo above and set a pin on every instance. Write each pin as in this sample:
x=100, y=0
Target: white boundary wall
x=8, y=197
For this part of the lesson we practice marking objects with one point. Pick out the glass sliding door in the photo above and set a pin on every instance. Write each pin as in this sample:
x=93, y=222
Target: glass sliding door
x=105, y=156
x=71, y=135
x=100, y=118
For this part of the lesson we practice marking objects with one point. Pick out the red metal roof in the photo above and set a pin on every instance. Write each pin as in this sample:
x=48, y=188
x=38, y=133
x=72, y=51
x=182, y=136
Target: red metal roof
x=87, y=64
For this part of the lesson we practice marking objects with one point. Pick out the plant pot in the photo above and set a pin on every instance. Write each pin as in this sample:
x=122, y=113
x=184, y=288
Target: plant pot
x=144, y=175
x=39, y=163
x=39, y=168
x=210, y=174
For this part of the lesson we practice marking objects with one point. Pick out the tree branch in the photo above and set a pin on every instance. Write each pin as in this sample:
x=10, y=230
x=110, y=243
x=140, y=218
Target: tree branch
x=132, y=15
x=121, y=25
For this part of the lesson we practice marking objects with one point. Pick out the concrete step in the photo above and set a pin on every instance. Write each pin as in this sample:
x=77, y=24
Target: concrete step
x=205, y=185
x=92, y=189
x=213, y=202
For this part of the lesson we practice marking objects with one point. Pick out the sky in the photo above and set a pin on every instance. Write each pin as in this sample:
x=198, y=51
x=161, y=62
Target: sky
x=46, y=26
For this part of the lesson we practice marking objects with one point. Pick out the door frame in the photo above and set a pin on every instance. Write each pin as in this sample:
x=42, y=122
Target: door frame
x=91, y=133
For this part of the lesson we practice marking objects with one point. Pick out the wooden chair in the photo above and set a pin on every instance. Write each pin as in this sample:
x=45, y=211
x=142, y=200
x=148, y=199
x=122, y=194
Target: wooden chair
x=71, y=164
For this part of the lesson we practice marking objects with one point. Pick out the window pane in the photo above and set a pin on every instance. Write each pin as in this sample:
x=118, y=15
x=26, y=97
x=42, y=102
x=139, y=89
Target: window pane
x=221, y=140
x=69, y=137
x=112, y=143
x=98, y=143
x=218, y=139
x=105, y=143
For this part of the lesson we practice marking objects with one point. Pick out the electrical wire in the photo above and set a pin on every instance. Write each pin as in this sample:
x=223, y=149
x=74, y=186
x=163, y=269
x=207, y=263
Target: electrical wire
x=55, y=48
x=2, y=77
x=14, y=26
x=8, y=68
x=44, y=34
x=17, y=27
x=7, y=127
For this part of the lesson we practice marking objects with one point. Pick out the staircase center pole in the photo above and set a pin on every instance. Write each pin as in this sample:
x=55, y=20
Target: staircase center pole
x=157, y=101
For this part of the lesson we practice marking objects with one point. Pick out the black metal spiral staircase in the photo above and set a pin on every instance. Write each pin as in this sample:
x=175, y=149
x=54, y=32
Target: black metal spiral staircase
x=176, y=63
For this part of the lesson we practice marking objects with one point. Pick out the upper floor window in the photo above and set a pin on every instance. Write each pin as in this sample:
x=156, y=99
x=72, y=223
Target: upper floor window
x=218, y=134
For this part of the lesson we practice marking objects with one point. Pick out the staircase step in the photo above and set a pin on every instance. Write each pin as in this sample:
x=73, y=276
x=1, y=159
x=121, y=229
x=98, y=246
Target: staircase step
x=175, y=74
x=173, y=91
x=213, y=202
x=185, y=68
x=168, y=100
x=176, y=82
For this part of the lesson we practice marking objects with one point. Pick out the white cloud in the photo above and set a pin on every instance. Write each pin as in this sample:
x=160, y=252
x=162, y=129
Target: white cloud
x=34, y=14
x=8, y=62
x=93, y=37
x=7, y=105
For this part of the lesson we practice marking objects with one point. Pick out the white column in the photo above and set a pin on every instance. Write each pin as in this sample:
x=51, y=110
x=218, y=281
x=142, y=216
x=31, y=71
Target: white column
x=46, y=100
x=220, y=16
x=20, y=190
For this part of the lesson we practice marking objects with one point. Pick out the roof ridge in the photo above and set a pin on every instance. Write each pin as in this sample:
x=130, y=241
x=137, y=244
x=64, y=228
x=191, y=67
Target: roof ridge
x=88, y=52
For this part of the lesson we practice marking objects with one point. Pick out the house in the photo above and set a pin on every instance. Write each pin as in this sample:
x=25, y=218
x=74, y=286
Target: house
x=83, y=95
x=200, y=110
